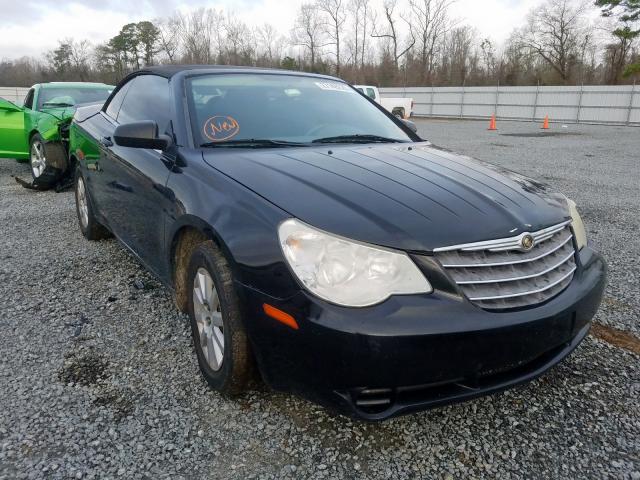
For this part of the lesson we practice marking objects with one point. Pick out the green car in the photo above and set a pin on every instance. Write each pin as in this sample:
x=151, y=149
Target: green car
x=38, y=131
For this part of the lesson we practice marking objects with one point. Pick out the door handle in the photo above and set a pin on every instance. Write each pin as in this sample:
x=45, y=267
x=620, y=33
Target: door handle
x=106, y=142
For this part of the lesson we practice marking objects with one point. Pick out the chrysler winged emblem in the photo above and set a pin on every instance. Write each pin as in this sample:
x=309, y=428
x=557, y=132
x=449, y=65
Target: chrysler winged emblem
x=526, y=242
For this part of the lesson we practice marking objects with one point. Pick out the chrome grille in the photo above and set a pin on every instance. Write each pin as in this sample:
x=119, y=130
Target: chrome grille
x=498, y=274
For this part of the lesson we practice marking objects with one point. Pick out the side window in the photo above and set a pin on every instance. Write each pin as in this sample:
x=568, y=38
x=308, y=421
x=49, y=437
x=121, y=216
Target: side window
x=371, y=93
x=28, y=100
x=114, y=105
x=148, y=98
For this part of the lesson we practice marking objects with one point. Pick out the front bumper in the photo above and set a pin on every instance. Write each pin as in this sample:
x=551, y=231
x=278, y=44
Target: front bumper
x=417, y=351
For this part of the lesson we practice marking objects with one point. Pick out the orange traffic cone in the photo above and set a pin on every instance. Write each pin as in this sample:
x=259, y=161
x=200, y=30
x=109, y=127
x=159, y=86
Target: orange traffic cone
x=492, y=123
x=545, y=124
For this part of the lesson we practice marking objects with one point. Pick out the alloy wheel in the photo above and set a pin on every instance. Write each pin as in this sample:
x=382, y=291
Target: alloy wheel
x=206, y=309
x=38, y=159
x=83, y=207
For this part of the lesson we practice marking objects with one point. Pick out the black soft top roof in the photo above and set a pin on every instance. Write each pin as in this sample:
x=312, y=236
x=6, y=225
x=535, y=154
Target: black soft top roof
x=169, y=71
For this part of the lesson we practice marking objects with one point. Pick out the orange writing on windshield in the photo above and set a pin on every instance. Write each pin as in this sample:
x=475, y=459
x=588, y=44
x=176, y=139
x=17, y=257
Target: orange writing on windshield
x=221, y=128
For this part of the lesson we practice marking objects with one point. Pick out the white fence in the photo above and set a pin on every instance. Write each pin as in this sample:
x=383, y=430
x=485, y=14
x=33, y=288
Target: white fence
x=618, y=105
x=589, y=104
x=13, y=94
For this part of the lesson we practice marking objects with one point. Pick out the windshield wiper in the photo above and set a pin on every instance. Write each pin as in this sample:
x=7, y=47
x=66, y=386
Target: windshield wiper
x=253, y=143
x=357, y=138
x=57, y=104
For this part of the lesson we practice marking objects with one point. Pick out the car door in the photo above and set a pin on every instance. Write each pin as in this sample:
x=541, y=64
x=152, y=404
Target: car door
x=99, y=171
x=135, y=178
x=13, y=135
x=373, y=94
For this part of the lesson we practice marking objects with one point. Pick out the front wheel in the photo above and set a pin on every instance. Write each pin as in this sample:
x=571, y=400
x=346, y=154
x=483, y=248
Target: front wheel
x=219, y=337
x=43, y=174
x=89, y=226
x=37, y=156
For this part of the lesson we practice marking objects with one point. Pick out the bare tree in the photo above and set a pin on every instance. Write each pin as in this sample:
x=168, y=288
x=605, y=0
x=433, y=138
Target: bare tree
x=430, y=21
x=334, y=10
x=366, y=21
x=22, y=72
x=392, y=32
x=557, y=32
x=238, y=44
x=71, y=59
x=353, y=43
x=559, y=44
x=361, y=17
x=80, y=56
x=308, y=31
x=269, y=44
x=488, y=57
x=198, y=30
x=168, y=37
x=459, y=56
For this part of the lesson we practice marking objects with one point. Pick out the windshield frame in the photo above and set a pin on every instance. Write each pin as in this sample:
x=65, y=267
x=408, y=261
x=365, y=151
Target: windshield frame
x=189, y=105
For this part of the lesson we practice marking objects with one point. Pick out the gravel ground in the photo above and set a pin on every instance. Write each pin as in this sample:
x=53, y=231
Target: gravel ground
x=98, y=378
x=597, y=166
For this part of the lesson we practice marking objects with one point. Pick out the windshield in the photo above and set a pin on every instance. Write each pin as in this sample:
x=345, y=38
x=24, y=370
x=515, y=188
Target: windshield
x=230, y=108
x=70, y=96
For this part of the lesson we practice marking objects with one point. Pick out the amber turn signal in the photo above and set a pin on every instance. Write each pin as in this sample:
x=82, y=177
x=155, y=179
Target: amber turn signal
x=280, y=316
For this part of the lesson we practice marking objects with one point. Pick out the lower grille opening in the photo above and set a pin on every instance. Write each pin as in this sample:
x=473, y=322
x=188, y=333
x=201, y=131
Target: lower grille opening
x=378, y=400
x=373, y=400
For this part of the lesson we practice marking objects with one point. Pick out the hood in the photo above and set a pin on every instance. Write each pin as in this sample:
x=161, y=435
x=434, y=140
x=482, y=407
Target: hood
x=411, y=197
x=67, y=113
x=61, y=113
x=49, y=124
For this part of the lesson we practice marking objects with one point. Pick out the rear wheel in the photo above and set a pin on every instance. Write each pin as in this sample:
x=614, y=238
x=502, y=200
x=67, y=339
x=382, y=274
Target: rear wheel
x=89, y=226
x=219, y=337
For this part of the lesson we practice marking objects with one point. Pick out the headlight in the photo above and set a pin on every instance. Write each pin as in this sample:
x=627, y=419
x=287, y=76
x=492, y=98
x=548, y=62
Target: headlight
x=346, y=272
x=578, y=226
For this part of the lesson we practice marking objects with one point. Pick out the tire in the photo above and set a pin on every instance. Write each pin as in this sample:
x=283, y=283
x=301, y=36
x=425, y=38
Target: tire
x=89, y=226
x=398, y=114
x=219, y=337
x=43, y=174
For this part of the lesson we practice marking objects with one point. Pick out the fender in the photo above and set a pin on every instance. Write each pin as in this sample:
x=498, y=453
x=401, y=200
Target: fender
x=211, y=202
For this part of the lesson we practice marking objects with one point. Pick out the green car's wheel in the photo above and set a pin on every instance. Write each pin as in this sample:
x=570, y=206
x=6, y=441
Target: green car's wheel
x=22, y=160
x=44, y=174
x=219, y=337
x=37, y=156
x=89, y=226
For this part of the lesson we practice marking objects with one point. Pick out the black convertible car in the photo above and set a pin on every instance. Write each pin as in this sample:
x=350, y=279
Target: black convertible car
x=317, y=241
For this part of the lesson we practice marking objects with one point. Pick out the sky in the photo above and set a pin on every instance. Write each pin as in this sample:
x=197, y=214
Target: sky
x=31, y=27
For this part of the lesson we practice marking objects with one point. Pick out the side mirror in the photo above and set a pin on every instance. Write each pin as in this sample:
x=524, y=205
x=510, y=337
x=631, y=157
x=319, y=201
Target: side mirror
x=141, y=135
x=412, y=126
x=8, y=106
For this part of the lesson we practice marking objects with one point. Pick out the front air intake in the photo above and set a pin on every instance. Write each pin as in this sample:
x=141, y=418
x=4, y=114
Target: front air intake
x=373, y=400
